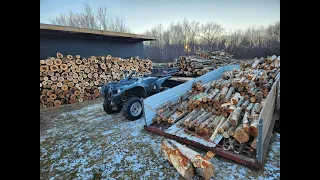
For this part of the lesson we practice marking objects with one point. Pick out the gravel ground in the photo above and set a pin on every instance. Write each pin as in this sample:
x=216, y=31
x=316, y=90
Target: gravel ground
x=80, y=141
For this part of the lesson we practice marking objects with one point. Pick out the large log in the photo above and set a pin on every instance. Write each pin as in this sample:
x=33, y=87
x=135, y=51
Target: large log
x=202, y=166
x=240, y=135
x=179, y=161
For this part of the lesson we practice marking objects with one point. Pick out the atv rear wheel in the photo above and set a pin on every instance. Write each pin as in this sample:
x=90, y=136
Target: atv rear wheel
x=132, y=108
x=107, y=109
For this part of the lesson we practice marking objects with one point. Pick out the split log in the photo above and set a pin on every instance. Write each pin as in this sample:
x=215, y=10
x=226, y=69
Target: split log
x=230, y=91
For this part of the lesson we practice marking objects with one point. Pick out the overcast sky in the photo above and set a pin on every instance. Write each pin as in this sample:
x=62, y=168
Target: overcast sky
x=144, y=14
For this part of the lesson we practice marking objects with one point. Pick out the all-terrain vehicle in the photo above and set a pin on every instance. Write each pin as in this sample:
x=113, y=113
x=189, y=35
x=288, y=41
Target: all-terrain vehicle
x=127, y=94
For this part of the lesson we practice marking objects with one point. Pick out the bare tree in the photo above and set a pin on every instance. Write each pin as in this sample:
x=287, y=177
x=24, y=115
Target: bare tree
x=102, y=20
x=209, y=31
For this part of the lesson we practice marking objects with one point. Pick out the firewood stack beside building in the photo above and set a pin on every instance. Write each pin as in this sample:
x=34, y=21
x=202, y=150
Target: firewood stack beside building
x=69, y=79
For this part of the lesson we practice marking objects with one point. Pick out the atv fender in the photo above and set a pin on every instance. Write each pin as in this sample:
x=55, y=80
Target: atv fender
x=138, y=91
x=160, y=81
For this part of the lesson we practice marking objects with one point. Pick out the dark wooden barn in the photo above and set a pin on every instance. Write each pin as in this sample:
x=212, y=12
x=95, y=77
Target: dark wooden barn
x=88, y=42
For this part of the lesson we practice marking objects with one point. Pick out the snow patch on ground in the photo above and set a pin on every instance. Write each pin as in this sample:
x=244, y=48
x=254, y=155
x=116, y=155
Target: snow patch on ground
x=89, y=144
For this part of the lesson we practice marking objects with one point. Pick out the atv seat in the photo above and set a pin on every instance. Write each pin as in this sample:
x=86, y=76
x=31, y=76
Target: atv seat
x=149, y=80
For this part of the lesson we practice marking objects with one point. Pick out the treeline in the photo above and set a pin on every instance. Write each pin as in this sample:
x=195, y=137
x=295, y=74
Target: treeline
x=185, y=38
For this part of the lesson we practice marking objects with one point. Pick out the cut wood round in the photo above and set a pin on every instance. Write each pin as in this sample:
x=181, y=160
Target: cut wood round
x=64, y=87
x=103, y=66
x=53, y=86
x=54, y=78
x=57, y=62
x=44, y=68
x=49, y=82
x=57, y=103
x=69, y=78
x=78, y=56
x=75, y=80
x=50, y=73
x=63, y=66
x=78, y=61
x=45, y=78
x=59, y=55
x=69, y=57
x=57, y=74
x=75, y=75
x=59, y=84
x=71, y=84
x=80, y=99
x=52, y=96
x=49, y=62
x=60, y=79
x=42, y=62
x=54, y=68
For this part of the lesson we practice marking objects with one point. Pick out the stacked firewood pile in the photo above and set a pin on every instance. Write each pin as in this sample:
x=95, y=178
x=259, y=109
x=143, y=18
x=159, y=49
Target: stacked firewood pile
x=69, y=79
x=204, y=62
x=229, y=106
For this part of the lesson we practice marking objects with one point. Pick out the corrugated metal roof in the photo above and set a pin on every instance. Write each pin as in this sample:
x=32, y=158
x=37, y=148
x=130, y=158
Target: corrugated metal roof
x=56, y=28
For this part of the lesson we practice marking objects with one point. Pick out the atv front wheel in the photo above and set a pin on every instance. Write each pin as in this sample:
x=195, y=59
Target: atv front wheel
x=132, y=108
x=107, y=109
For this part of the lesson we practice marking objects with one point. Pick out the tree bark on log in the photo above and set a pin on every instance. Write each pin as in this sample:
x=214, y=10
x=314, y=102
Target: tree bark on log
x=202, y=166
x=235, y=116
x=179, y=161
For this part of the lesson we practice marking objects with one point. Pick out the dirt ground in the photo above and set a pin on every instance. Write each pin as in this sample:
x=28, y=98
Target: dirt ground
x=80, y=141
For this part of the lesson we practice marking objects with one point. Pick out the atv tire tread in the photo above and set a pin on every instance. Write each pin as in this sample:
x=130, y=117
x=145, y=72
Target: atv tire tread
x=126, y=108
x=107, y=109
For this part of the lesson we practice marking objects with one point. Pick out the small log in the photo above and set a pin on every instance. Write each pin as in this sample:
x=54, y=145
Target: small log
x=235, y=98
x=254, y=143
x=246, y=123
x=224, y=92
x=230, y=91
x=235, y=116
x=245, y=104
x=201, y=119
x=200, y=127
x=254, y=128
x=191, y=118
x=240, y=101
x=248, y=109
